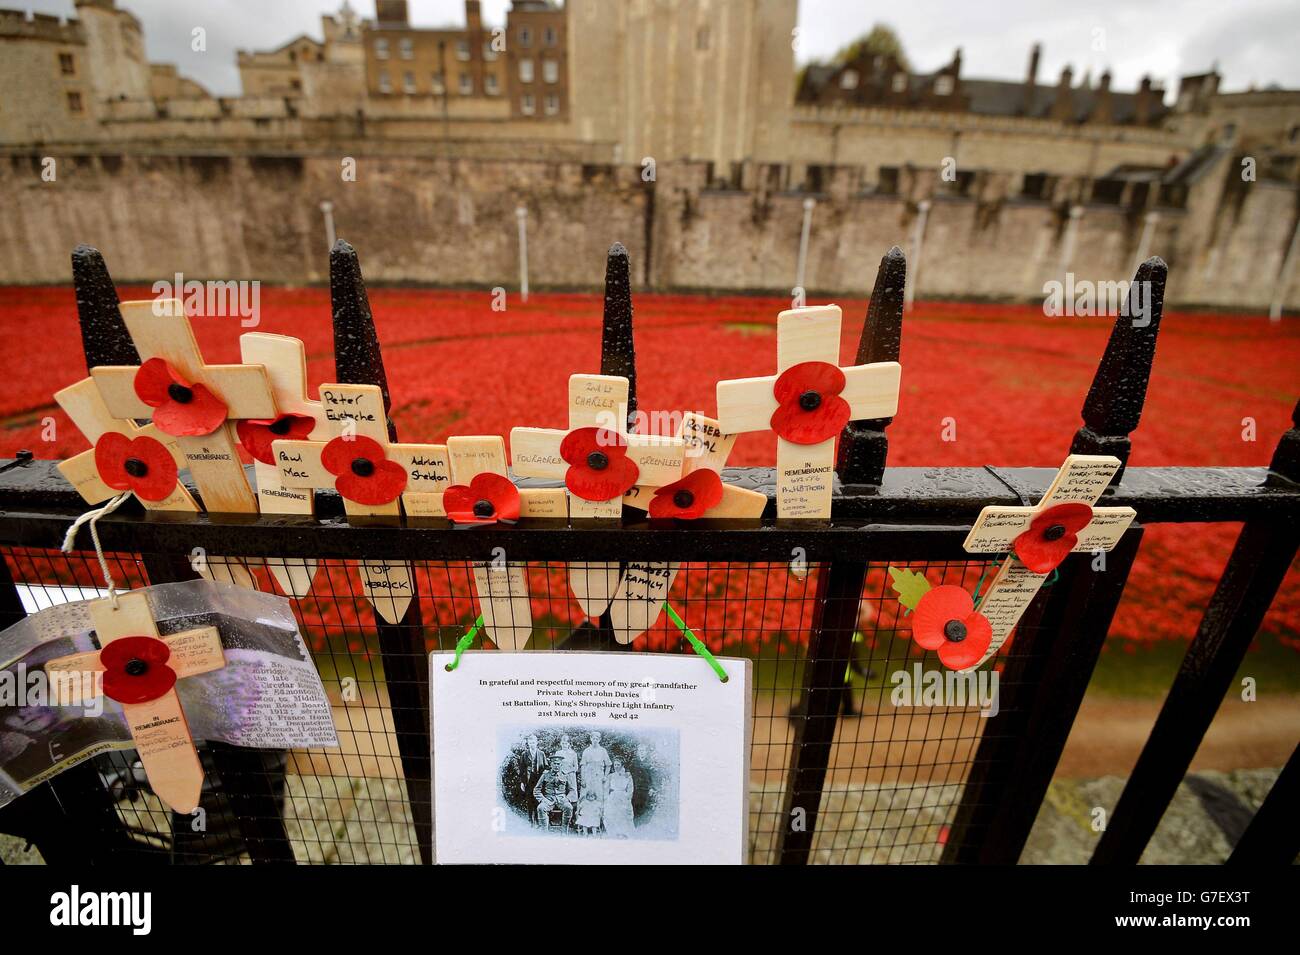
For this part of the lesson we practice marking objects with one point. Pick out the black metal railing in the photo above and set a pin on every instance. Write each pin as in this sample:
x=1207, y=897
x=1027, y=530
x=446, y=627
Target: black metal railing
x=827, y=786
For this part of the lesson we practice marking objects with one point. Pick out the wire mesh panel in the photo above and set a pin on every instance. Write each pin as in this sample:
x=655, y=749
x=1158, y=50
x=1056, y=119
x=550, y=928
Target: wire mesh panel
x=898, y=757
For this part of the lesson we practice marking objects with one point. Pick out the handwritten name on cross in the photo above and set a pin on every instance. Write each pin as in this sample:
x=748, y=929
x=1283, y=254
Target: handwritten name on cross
x=807, y=402
x=285, y=361
x=1065, y=516
x=640, y=597
x=370, y=474
x=598, y=415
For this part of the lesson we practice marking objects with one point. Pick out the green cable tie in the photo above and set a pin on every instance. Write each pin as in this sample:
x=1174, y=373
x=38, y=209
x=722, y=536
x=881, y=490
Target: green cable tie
x=463, y=643
x=696, y=643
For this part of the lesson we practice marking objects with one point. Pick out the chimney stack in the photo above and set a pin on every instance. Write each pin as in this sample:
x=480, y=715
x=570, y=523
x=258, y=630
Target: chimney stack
x=1142, y=106
x=1031, y=81
x=1063, y=105
x=1102, y=108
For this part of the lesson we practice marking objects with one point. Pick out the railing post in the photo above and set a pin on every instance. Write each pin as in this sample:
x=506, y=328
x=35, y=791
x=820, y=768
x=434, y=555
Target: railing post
x=1273, y=836
x=830, y=647
x=863, y=444
x=617, y=346
x=358, y=361
x=1010, y=775
x=1119, y=388
x=1254, y=572
x=1038, y=700
x=106, y=341
x=617, y=357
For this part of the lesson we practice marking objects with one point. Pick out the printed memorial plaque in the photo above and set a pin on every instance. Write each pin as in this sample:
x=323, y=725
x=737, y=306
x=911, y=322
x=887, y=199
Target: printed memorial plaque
x=589, y=758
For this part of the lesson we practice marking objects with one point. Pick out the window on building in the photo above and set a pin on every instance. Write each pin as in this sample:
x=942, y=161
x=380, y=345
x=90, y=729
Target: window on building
x=551, y=71
x=849, y=80
x=406, y=48
x=462, y=50
x=67, y=65
x=466, y=84
x=438, y=86
x=489, y=54
x=74, y=102
x=525, y=71
x=525, y=36
x=702, y=38
x=381, y=48
x=549, y=36
x=943, y=85
x=408, y=82
x=295, y=85
x=551, y=104
x=900, y=82
x=527, y=105
x=385, y=84
x=490, y=84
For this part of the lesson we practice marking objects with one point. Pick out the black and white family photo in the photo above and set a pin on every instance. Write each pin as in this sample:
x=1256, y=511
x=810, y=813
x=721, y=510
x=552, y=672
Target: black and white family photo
x=590, y=783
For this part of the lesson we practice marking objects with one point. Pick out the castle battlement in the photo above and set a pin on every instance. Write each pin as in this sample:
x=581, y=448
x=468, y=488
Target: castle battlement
x=18, y=24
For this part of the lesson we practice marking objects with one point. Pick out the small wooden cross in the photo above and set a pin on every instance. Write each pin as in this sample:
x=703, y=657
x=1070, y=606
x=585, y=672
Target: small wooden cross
x=502, y=586
x=285, y=361
x=595, y=401
x=640, y=597
x=807, y=340
x=158, y=726
x=85, y=406
x=1080, y=481
x=161, y=330
x=357, y=412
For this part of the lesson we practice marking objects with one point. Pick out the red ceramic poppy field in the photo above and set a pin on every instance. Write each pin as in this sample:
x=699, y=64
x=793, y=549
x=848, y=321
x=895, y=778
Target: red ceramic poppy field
x=982, y=384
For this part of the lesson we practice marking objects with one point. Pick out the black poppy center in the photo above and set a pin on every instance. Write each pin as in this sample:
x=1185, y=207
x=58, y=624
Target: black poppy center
x=598, y=460
x=483, y=509
x=280, y=426
x=683, y=498
x=136, y=667
x=955, y=631
x=1054, y=533
x=135, y=467
x=180, y=394
x=363, y=467
x=810, y=401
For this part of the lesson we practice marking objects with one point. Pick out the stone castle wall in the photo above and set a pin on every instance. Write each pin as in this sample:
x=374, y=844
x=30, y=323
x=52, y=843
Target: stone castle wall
x=452, y=221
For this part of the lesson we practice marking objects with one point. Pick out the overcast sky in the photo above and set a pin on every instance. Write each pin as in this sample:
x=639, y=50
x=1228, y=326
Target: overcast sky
x=1252, y=41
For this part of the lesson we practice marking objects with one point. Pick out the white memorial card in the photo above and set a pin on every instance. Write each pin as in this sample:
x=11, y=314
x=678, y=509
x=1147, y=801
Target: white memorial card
x=592, y=758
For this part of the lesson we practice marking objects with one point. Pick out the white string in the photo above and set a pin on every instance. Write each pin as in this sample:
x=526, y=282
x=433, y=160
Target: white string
x=91, y=517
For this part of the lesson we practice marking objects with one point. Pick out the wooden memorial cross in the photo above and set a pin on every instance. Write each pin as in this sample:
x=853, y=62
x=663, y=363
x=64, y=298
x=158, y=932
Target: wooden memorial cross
x=297, y=416
x=139, y=669
x=807, y=403
x=195, y=402
x=639, y=600
x=370, y=474
x=85, y=406
x=1064, y=521
x=599, y=443
x=501, y=585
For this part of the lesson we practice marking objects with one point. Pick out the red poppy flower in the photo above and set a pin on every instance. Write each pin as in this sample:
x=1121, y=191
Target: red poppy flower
x=143, y=465
x=136, y=670
x=599, y=468
x=363, y=474
x=180, y=408
x=688, y=498
x=1052, y=535
x=256, y=434
x=487, y=499
x=946, y=620
x=811, y=410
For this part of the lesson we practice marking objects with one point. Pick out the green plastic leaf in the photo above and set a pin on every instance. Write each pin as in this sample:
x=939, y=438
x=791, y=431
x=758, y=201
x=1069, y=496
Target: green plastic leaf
x=909, y=585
